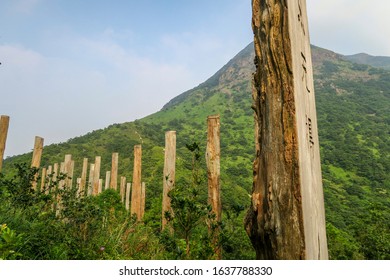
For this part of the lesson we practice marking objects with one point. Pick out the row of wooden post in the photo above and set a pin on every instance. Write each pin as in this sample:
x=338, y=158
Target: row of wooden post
x=137, y=188
x=213, y=154
x=95, y=183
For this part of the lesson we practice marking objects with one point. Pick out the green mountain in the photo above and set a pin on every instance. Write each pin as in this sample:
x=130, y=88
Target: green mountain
x=375, y=61
x=353, y=105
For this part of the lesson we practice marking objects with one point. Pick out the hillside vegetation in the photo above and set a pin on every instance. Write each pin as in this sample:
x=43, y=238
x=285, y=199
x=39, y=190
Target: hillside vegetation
x=353, y=105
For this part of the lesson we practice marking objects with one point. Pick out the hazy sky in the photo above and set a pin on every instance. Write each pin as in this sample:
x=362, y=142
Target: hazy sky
x=71, y=66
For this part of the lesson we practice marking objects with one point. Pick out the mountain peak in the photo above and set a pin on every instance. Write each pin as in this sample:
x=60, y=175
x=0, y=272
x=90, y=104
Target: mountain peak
x=239, y=68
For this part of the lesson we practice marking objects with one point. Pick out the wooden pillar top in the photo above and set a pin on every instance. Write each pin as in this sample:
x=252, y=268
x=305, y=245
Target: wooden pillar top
x=37, y=153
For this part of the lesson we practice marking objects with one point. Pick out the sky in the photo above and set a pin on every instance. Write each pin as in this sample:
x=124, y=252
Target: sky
x=69, y=67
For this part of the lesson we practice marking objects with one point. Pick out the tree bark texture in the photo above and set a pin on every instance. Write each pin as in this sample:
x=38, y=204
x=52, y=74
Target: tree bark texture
x=282, y=223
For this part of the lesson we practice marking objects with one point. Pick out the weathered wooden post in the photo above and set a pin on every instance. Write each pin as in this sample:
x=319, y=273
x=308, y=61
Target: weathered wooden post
x=43, y=179
x=122, y=188
x=96, y=176
x=100, y=186
x=286, y=219
x=114, y=171
x=137, y=191
x=169, y=173
x=61, y=183
x=127, y=203
x=83, y=179
x=37, y=153
x=107, y=182
x=68, y=170
x=90, y=178
x=49, y=174
x=4, y=124
x=55, y=172
x=36, y=158
x=213, y=155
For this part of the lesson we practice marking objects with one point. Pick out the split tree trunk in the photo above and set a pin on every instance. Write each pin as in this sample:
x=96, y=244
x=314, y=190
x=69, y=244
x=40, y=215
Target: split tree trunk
x=286, y=219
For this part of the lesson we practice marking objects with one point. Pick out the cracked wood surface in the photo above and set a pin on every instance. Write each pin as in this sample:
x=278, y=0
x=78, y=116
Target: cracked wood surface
x=286, y=219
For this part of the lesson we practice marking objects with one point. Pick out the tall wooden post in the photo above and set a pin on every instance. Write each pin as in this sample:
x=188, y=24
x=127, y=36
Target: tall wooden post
x=68, y=170
x=127, y=202
x=114, y=171
x=60, y=187
x=122, y=188
x=61, y=183
x=49, y=174
x=213, y=155
x=137, y=192
x=4, y=124
x=96, y=176
x=107, y=182
x=83, y=179
x=286, y=219
x=90, y=178
x=37, y=153
x=36, y=158
x=43, y=179
x=169, y=173
x=55, y=172
x=100, y=186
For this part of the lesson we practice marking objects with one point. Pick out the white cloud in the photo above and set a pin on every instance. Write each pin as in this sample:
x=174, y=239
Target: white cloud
x=350, y=26
x=62, y=97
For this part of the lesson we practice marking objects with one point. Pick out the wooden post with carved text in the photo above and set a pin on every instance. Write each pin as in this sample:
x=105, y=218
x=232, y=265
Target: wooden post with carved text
x=286, y=219
x=36, y=158
x=4, y=123
x=169, y=173
x=136, y=194
x=213, y=155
